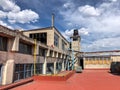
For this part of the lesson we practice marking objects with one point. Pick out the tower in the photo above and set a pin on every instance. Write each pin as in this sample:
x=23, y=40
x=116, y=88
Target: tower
x=75, y=43
x=74, y=48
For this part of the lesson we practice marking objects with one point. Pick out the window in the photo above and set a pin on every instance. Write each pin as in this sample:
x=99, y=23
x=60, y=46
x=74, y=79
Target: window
x=25, y=48
x=75, y=34
x=26, y=70
x=51, y=53
x=56, y=40
x=58, y=66
x=42, y=37
x=59, y=55
x=19, y=72
x=3, y=43
x=63, y=45
x=39, y=67
x=70, y=45
x=41, y=52
x=50, y=68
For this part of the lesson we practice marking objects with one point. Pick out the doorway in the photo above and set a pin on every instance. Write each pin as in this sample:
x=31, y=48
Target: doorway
x=82, y=63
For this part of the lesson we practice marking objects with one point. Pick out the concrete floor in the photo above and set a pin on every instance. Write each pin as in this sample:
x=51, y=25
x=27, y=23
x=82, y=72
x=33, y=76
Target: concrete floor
x=88, y=80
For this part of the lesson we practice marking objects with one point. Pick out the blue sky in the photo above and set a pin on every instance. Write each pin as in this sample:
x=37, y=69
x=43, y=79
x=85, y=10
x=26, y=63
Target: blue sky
x=98, y=21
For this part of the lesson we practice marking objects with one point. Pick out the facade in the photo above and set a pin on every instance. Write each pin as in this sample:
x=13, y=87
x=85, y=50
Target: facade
x=22, y=53
x=98, y=60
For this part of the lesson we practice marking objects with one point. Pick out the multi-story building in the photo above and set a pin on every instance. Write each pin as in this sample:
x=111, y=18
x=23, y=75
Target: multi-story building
x=24, y=53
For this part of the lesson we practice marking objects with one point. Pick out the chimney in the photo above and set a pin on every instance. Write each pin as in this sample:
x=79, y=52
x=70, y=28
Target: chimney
x=52, y=19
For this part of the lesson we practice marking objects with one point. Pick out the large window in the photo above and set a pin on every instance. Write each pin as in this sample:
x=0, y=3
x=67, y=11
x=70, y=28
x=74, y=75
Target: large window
x=42, y=37
x=19, y=72
x=50, y=68
x=25, y=48
x=59, y=66
x=59, y=55
x=39, y=67
x=51, y=53
x=41, y=52
x=3, y=43
x=26, y=70
x=56, y=40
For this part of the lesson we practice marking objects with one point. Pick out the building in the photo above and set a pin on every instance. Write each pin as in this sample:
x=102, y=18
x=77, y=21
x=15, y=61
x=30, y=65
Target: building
x=25, y=53
x=45, y=51
x=99, y=59
x=91, y=60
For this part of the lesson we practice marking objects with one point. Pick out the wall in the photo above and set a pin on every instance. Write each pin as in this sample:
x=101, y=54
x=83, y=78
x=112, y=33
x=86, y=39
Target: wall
x=95, y=63
x=76, y=45
x=115, y=58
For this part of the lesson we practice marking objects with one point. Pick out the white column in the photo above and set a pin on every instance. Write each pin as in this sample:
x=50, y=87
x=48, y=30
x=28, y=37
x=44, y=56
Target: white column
x=45, y=66
x=45, y=62
x=8, y=70
x=55, y=68
x=63, y=68
x=15, y=46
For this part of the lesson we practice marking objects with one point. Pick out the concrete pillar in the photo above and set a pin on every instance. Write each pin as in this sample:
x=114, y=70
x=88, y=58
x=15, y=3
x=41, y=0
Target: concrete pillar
x=55, y=68
x=63, y=62
x=15, y=46
x=8, y=71
x=44, y=66
x=57, y=55
x=47, y=52
x=53, y=54
x=45, y=62
x=63, y=68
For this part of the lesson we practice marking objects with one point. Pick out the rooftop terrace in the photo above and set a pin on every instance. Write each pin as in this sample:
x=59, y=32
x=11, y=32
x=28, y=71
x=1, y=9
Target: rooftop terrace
x=88, y=80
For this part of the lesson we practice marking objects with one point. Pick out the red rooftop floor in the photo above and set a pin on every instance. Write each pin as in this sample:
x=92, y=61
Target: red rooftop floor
x=88, y=80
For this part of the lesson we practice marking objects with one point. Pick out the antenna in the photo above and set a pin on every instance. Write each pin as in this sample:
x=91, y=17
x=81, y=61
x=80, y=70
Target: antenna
x=53, y=19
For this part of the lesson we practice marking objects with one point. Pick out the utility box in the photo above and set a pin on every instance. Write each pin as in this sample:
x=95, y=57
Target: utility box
x=115, y=67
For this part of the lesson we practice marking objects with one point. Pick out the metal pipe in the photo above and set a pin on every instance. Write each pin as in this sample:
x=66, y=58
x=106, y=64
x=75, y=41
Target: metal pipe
x=35, y=42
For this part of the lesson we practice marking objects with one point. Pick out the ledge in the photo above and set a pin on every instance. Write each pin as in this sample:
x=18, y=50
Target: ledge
x=63, y=76
x=21, y=82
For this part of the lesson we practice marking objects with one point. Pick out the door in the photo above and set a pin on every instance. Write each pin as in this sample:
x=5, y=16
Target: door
x=82, y=63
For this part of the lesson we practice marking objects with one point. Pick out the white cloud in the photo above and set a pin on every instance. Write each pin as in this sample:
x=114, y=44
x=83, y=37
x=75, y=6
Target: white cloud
x=2, y=14
x=113, y=0
x=102, y=23
x=13, y=13
x=83, y=31
x=104, y=44
x=9, y=5
x=89, y=10
x=4, y=24
x=68, y=33
x=24, y=16
x=68, y=5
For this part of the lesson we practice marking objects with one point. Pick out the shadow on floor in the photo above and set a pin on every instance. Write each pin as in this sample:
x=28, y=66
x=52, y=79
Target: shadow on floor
x=118, y=74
